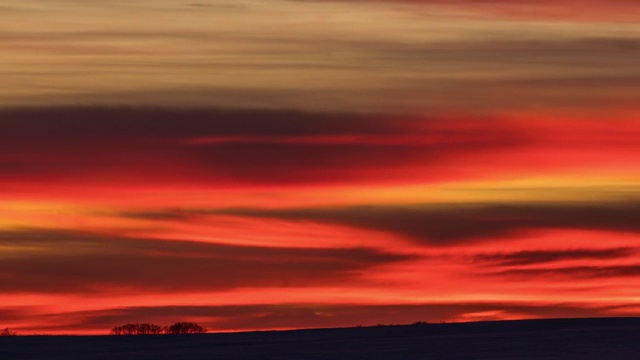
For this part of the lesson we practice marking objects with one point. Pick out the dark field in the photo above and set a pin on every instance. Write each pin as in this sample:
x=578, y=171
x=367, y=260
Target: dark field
x=611, y=338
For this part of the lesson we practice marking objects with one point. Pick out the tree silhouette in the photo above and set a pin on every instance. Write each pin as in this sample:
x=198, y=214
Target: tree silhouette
x=153, y=329
x=138, y=329
x=7, y=332
x=185, y=328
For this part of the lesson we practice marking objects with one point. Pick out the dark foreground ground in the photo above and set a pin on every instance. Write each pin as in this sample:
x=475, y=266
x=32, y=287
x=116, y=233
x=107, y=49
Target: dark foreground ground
x=612, y=338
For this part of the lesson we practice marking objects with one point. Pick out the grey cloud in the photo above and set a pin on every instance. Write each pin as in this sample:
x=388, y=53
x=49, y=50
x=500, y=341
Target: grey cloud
x=47, y=261
x=370, y=74
x=575, y=272
x=445, y=225
x=533, y=257
x=153, y=144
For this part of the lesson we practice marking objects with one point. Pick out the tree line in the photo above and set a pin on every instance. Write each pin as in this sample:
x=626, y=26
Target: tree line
x=153, y=329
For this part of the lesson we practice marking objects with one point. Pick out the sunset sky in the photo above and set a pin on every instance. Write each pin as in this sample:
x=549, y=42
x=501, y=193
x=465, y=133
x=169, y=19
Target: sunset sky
x=253, y=164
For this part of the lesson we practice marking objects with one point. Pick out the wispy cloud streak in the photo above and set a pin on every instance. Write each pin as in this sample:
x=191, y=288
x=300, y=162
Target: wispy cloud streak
x=442, y=225
x=48, y=261
x=542, y=257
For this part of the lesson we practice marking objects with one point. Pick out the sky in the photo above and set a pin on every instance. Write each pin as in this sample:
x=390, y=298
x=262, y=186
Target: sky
x=284, y=164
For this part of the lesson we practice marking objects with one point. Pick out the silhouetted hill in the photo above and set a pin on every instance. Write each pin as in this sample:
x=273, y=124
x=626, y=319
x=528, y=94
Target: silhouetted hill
x=602, y=338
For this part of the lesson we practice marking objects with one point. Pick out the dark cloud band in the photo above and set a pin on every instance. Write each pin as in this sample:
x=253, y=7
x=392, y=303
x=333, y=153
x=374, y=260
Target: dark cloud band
x=47, y=261
x=443, y=225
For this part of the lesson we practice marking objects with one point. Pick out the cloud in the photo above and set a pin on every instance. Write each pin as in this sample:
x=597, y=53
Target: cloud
x=533, y=257
x=575, y=272
x=419, y=57
x=91, y=145
x=13, y=314
x=116, y=147
x=451, y=224
x=562, y=10
x=61, y=124
x=51, y=261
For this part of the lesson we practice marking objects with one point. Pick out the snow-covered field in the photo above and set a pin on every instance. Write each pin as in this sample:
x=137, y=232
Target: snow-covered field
x=613, y=338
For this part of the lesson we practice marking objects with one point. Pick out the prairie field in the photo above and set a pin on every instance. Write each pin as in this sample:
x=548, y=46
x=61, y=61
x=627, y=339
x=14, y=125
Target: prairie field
x=605, y=338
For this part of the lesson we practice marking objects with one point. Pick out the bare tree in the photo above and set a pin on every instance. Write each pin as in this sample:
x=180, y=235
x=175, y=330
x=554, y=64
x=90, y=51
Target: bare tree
x=153, y=329
x=186, y=328
x=138, y=329
x=7, y=332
